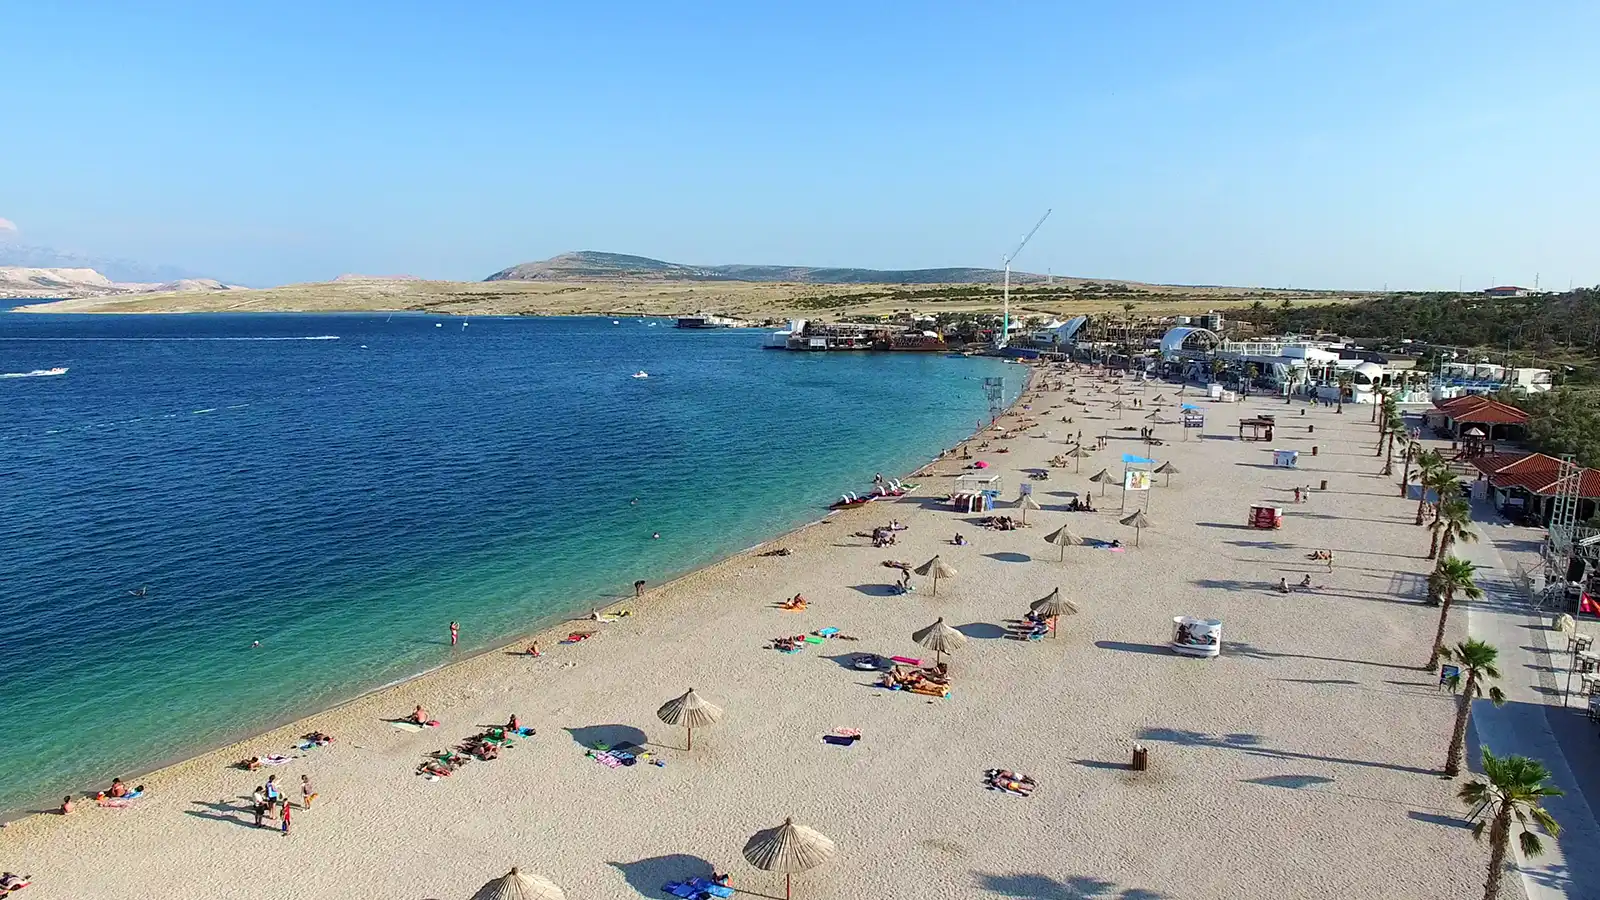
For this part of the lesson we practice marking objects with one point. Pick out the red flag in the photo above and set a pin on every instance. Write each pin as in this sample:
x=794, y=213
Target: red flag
x=1586, y=604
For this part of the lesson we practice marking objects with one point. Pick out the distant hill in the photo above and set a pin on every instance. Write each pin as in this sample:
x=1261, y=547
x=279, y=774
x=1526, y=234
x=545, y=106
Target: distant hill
x=591, y=265
x=31, y=256
x=34, y=281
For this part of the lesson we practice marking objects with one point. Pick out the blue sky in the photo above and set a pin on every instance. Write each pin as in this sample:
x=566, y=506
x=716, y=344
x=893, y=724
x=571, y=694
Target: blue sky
x=1351, y=144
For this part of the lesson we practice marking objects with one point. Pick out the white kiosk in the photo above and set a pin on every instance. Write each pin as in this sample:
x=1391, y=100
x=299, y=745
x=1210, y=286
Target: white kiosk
x=1196, y=637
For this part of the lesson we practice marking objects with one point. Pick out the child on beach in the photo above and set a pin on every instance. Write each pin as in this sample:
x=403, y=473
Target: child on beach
x=66, y=804
x=307, y=792
x=286, y=820
x=455, y=632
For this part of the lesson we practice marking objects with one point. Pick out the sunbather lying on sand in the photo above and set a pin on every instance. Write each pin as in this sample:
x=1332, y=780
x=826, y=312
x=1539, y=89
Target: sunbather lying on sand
x=797, y=602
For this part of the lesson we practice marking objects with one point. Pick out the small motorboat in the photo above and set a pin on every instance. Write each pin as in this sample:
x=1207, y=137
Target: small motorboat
x=640, y=374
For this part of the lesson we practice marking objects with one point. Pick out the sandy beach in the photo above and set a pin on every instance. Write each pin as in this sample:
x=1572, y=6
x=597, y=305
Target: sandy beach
x=1301, y=763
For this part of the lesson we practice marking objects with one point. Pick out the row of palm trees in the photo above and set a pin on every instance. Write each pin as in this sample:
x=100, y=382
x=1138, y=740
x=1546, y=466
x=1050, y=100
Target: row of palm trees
x=1513, y=787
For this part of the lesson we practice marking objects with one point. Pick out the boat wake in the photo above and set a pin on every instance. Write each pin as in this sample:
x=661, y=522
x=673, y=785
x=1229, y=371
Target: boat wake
x=36, y=373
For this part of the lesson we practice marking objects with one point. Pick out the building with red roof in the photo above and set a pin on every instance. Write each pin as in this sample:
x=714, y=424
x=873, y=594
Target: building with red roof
x=1525, y=484
x=1494, y=421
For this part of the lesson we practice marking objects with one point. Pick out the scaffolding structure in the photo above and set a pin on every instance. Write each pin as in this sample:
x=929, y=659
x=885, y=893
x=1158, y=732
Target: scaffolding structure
x=1566, y=541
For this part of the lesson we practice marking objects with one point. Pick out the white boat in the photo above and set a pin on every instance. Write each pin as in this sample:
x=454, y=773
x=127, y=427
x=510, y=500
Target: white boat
x=37, y=373
x=641, y=374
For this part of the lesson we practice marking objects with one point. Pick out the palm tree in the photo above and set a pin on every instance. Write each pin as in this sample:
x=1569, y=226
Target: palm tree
x=1452, y=576
x=1432, y=475
x=1385, y=421
x=1397, y=434
x=1411, y=450
x=1452, y=523
x=1513, y=787
x=1346, y=380
x=1475, y=661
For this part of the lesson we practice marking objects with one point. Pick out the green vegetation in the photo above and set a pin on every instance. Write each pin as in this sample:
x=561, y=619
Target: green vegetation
x=1563, y=421
x=1513, y=788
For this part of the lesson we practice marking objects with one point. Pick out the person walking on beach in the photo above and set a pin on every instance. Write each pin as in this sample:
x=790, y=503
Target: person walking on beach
x=307, y=792
x=638, y=588
x=273, y=794
x=259, y=800
x=455, y=633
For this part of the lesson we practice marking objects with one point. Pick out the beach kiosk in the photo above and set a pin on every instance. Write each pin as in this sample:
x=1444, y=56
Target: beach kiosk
x=1265, y=515
x=976, y=492
x=1196, y=637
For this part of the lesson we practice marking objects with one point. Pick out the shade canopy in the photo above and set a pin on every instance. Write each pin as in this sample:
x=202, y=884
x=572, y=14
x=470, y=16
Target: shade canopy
x=1103, y=476
x=690, y=711
x=935, y=566
x=1078, y=452
x=1474, y=432
x=1167, y=468
x=519, y=885
x=1151, y=416
x=1062, y=537
x=940, y=638
x=1137, y=520
x=789, y=848
x=1053, y=605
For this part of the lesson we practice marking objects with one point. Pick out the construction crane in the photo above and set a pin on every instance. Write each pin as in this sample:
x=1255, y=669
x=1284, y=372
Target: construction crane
x=1005, y=322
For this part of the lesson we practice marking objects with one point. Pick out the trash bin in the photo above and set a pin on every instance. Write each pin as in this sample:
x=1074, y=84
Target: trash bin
x=1141, y=758
x=1311, y=429
x=1313, y=449
x=1324, y=485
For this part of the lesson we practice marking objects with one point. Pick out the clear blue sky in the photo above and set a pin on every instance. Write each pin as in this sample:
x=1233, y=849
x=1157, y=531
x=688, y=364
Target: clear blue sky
x=1350, y=144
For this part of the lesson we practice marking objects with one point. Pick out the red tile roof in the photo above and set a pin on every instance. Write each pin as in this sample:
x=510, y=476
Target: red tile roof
x=1535, y=473
x=1476, y=410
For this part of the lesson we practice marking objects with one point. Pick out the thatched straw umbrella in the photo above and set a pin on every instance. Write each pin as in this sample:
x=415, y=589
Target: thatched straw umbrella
x=519, y=885
x=937, y=568
x=940, y=638
x=1103, y=478
x=689, y=710
x=1062, y=538
x=1025, y=503
x=789, y=848
x=1053, y=606
x=1139, y=523
x=1169, y=470
x=1078, y=453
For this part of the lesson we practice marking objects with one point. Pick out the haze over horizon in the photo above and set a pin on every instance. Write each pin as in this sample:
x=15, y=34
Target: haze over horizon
x=1416, y=145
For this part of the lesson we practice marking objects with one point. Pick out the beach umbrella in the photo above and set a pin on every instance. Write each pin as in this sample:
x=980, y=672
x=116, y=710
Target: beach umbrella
x=1062, y=538
x=1139, y=523
x=519, y=885
x=789, y=848
x=1025, y=503
x=689, y=710
x=1053, y=606
x=1473, y=432
x=937, y=568
x=1152, y=417
x=940, y=638
x=1103, y=478
x=1077, y=453
x=1169, y=470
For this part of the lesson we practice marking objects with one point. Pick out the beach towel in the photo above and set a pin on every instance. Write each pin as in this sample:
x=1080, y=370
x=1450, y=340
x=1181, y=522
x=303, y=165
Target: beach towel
x=827, y=632
x=525, y=731
x=604, y=758
x=681, y=889
x=813, y=639
x=839, y=740
x=607, y=619
x=711, y=887
x=276, y=760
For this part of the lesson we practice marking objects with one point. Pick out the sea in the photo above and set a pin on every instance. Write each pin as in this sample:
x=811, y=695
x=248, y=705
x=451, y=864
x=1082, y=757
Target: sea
x=340, y=487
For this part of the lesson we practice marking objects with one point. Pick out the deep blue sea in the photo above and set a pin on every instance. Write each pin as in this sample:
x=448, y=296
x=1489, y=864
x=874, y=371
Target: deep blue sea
x=341, y=487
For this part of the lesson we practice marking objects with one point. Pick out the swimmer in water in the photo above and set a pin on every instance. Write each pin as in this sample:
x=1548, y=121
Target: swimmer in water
x=255, y=645
x=656, y=536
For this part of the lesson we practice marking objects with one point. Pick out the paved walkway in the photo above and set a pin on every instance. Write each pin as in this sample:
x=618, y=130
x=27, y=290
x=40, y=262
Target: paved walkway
x=1533, y=722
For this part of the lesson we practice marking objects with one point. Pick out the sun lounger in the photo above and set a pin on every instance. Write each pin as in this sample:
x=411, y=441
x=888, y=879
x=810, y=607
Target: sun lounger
x=906, y=660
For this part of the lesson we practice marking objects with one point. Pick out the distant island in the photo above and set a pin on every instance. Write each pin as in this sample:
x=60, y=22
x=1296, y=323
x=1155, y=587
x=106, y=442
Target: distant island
x=596, y=283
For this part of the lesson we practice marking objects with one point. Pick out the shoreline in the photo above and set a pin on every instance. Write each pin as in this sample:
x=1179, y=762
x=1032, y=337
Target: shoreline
x=545, y=634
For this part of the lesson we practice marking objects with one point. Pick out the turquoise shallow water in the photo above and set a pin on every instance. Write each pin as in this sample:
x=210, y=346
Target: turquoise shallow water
x=341, y=487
